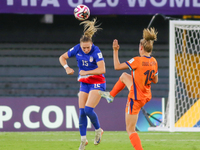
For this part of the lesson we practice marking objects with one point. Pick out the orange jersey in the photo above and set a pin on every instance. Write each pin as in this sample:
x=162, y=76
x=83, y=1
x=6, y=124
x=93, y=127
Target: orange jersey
x=143, y=70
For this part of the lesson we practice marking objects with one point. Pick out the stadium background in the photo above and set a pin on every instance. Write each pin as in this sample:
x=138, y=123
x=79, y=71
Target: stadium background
x=30, y=51
x=30, y=48
x=31, y=73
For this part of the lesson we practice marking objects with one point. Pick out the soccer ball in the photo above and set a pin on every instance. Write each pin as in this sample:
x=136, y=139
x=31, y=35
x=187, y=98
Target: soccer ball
x=81, y=12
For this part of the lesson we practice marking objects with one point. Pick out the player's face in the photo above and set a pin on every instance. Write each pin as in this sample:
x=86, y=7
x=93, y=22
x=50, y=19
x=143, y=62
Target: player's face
x=86, y=46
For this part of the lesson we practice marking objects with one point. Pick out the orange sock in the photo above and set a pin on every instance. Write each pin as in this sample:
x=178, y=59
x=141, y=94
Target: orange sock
x=119, y=85
x=135, y=141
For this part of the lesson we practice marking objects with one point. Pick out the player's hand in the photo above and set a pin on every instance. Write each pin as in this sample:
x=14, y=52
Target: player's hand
x=83, y=73
x=69, y=71
x=115, y=45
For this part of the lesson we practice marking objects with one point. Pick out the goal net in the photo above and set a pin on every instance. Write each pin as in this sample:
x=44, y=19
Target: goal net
x=183, y=106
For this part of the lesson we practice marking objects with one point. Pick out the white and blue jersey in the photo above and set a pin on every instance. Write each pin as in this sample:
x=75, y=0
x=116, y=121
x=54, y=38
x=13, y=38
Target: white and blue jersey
x=87, y=62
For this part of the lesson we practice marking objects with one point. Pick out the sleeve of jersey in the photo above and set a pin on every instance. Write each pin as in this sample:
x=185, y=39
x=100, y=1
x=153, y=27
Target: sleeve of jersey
x=132, y=63
x=157, y=69
x=73, y=51
x=98, y=56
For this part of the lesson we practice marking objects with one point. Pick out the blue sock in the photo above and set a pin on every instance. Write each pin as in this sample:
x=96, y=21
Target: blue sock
x=89, y=111
x=82, y=122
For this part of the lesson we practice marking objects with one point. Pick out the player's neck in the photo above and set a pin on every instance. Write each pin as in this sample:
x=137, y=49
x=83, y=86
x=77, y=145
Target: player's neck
x=146, y=54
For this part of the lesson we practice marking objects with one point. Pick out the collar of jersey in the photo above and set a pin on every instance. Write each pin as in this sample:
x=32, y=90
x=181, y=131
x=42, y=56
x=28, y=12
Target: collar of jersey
x=147, y=56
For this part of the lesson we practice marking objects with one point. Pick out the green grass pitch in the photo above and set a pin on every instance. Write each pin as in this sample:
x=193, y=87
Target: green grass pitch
x=110, y=141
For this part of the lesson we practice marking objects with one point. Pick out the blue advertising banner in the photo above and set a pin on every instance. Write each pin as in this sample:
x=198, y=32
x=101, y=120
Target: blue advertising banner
x=154, y=109
x=102, y=7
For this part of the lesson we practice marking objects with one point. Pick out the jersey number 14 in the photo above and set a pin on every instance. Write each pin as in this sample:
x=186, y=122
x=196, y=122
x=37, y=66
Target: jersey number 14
x=149, y=76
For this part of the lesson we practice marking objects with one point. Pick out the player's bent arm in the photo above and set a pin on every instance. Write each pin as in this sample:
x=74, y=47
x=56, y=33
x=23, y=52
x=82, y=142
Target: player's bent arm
x=63, y=58
x=155, y=79
x=117, y=64
x=100, y=70
x=63, y=62
x=122, y=66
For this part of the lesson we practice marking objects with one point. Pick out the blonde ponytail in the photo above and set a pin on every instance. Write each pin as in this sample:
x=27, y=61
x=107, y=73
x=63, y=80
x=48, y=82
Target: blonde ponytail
x=90, y=28
x=149, y=36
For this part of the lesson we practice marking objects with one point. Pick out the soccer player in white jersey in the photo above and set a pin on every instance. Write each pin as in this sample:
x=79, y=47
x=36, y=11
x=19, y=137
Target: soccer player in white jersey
x=91, y=77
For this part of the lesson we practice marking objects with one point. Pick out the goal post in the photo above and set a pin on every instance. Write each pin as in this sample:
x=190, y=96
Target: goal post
x=184, y=74
x=184, y=78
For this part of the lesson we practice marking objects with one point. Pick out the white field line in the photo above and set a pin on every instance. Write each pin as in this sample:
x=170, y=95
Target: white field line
x=164, y=140
x=71, y=140
x=88, y=133
x=40, y=133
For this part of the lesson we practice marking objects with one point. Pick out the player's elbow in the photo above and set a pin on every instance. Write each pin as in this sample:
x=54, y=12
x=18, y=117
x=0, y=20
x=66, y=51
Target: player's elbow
x=116, y=67
x=61, y=58
x=103, y=71
x=155, y=80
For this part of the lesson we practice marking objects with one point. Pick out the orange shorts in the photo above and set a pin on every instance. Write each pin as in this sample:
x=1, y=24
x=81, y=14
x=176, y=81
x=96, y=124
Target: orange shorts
x=133, y=106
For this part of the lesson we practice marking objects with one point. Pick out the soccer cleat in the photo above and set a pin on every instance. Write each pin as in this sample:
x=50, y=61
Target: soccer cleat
x=83, y=144
x=107, y=96
x=86, y=143
x=98, y=135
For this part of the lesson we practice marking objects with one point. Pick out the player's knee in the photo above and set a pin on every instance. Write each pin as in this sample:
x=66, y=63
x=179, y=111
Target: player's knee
x=130, y=129
x=123, y=75
x=82, y=112
x=88, y=110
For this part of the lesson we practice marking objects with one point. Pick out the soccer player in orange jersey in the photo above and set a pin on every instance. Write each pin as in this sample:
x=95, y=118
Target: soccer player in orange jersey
x=144, y=71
